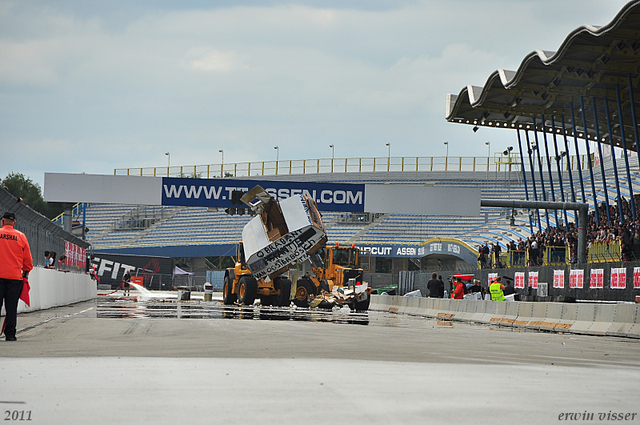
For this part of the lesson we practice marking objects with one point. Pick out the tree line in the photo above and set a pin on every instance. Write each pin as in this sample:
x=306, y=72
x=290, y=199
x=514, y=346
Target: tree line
x=23, y=187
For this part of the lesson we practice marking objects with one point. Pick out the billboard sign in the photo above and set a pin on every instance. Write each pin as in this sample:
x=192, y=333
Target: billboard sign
x=225, y=193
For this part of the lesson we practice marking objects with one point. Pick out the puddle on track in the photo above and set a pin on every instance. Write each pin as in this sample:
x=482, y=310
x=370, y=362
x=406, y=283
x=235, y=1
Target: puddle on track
x=115, y=308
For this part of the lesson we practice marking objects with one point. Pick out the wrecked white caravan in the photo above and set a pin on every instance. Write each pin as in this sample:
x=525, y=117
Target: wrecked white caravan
x=281, y=234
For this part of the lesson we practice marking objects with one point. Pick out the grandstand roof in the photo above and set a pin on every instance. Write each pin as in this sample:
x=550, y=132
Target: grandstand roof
x=592, y=62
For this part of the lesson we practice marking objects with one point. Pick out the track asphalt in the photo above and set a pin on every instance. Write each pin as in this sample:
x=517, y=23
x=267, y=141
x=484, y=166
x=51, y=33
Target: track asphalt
x=157, y=361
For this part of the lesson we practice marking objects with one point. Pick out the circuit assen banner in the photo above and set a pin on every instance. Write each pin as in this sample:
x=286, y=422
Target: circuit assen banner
x=219, y=192
x=431, y=247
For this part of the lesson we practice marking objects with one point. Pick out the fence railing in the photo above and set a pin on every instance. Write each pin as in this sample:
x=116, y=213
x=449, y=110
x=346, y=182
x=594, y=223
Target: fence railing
x=599, y=252
x=498, y=163
x=605, y=252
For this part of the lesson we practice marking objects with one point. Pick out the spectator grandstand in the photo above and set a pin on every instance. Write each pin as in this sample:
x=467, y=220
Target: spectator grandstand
x=125, y=228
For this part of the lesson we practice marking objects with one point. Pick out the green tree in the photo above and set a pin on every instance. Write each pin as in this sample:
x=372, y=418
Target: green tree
x=22, y=186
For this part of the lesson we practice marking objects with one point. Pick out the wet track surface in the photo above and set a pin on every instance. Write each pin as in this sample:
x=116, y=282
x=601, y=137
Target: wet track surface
x=118, y=308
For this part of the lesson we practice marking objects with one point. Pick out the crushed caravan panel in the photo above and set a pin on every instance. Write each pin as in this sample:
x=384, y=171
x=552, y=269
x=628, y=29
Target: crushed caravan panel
x=281, y=234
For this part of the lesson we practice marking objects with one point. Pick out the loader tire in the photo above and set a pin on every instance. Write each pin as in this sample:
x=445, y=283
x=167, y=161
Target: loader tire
x=284, y=284
x=304, y=291
x=247, y=290
x=227, y=297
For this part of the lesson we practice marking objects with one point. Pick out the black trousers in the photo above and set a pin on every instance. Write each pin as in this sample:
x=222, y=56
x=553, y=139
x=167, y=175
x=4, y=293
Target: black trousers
x=10, y=290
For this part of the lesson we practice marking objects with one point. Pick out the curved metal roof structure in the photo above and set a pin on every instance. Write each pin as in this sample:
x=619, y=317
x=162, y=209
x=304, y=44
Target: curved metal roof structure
x=594, y=66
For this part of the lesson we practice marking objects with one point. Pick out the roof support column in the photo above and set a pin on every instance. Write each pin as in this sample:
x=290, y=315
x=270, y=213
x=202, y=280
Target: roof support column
x=604, y=178
x=615, y=165
x=586, y=140
x=544, y=191
x=524, y=178
x=575, y=141
x=548, y=158
x=533, y=177
x=569, y=165
x=633, y=111
x=624, y=142
x=558, y=160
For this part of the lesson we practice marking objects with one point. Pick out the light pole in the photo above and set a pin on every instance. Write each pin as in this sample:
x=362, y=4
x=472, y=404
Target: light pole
x=488, y=158
x=221, y=163
x=446, y=157
x=388, y=145
x=168, y=162
x=333, y=151
x=560, y=158
x=507, y=152
x=277, y=148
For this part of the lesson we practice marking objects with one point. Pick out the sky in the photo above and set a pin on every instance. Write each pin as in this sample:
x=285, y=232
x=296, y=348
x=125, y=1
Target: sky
x=92, y=85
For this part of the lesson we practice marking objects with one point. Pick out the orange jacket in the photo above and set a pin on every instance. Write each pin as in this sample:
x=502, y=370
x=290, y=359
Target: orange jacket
x=15, y=255
x=458, y=293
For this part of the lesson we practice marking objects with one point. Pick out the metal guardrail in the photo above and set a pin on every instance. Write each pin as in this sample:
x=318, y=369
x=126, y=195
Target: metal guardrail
x=499, y=163
x=605, y=252
x=76, y=211
x=557, y=255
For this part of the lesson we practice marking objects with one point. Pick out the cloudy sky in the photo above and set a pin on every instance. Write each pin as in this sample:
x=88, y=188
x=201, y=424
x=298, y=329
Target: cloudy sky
x=93, y=85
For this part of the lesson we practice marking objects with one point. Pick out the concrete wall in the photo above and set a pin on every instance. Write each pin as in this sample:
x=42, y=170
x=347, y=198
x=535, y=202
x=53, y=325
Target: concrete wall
x=619, y=319
x=51, y=288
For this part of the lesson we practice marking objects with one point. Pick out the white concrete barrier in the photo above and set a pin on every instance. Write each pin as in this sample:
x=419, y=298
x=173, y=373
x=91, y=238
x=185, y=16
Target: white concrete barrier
x=431, y=307
x=51, y=288
x=487, y=309
x=621, y=319
x=511, y=314
x=478, y=311
x=499, y=312
x=584, y=318
x=464, y=309
x=625, y=320
x=413, y=305
x=603, y=319
x=538, y=317
x=568, y=317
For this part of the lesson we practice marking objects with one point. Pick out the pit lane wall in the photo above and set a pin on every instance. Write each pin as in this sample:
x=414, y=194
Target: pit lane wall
x=52, y=288
x=619, y=319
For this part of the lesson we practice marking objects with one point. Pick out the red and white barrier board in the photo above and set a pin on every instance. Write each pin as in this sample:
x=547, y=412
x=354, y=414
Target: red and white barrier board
x=76, y=256
x=636, y=277
x=533, y=280
x=558, y=278
x=597, y=278
x=618, y=278
x=576, y=279
x=518, y=278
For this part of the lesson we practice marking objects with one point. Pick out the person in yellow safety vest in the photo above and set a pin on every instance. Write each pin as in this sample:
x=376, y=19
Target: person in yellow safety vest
x=496, y=289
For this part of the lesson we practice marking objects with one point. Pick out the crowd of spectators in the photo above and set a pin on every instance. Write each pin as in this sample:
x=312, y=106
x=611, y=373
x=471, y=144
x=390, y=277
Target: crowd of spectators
x=607, y=228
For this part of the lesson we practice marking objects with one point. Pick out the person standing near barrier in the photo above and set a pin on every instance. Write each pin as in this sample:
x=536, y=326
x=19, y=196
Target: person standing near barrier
x=15, y=266
x=435, y=287
x=458, y=292
x=496, y=289
x=126, y=283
